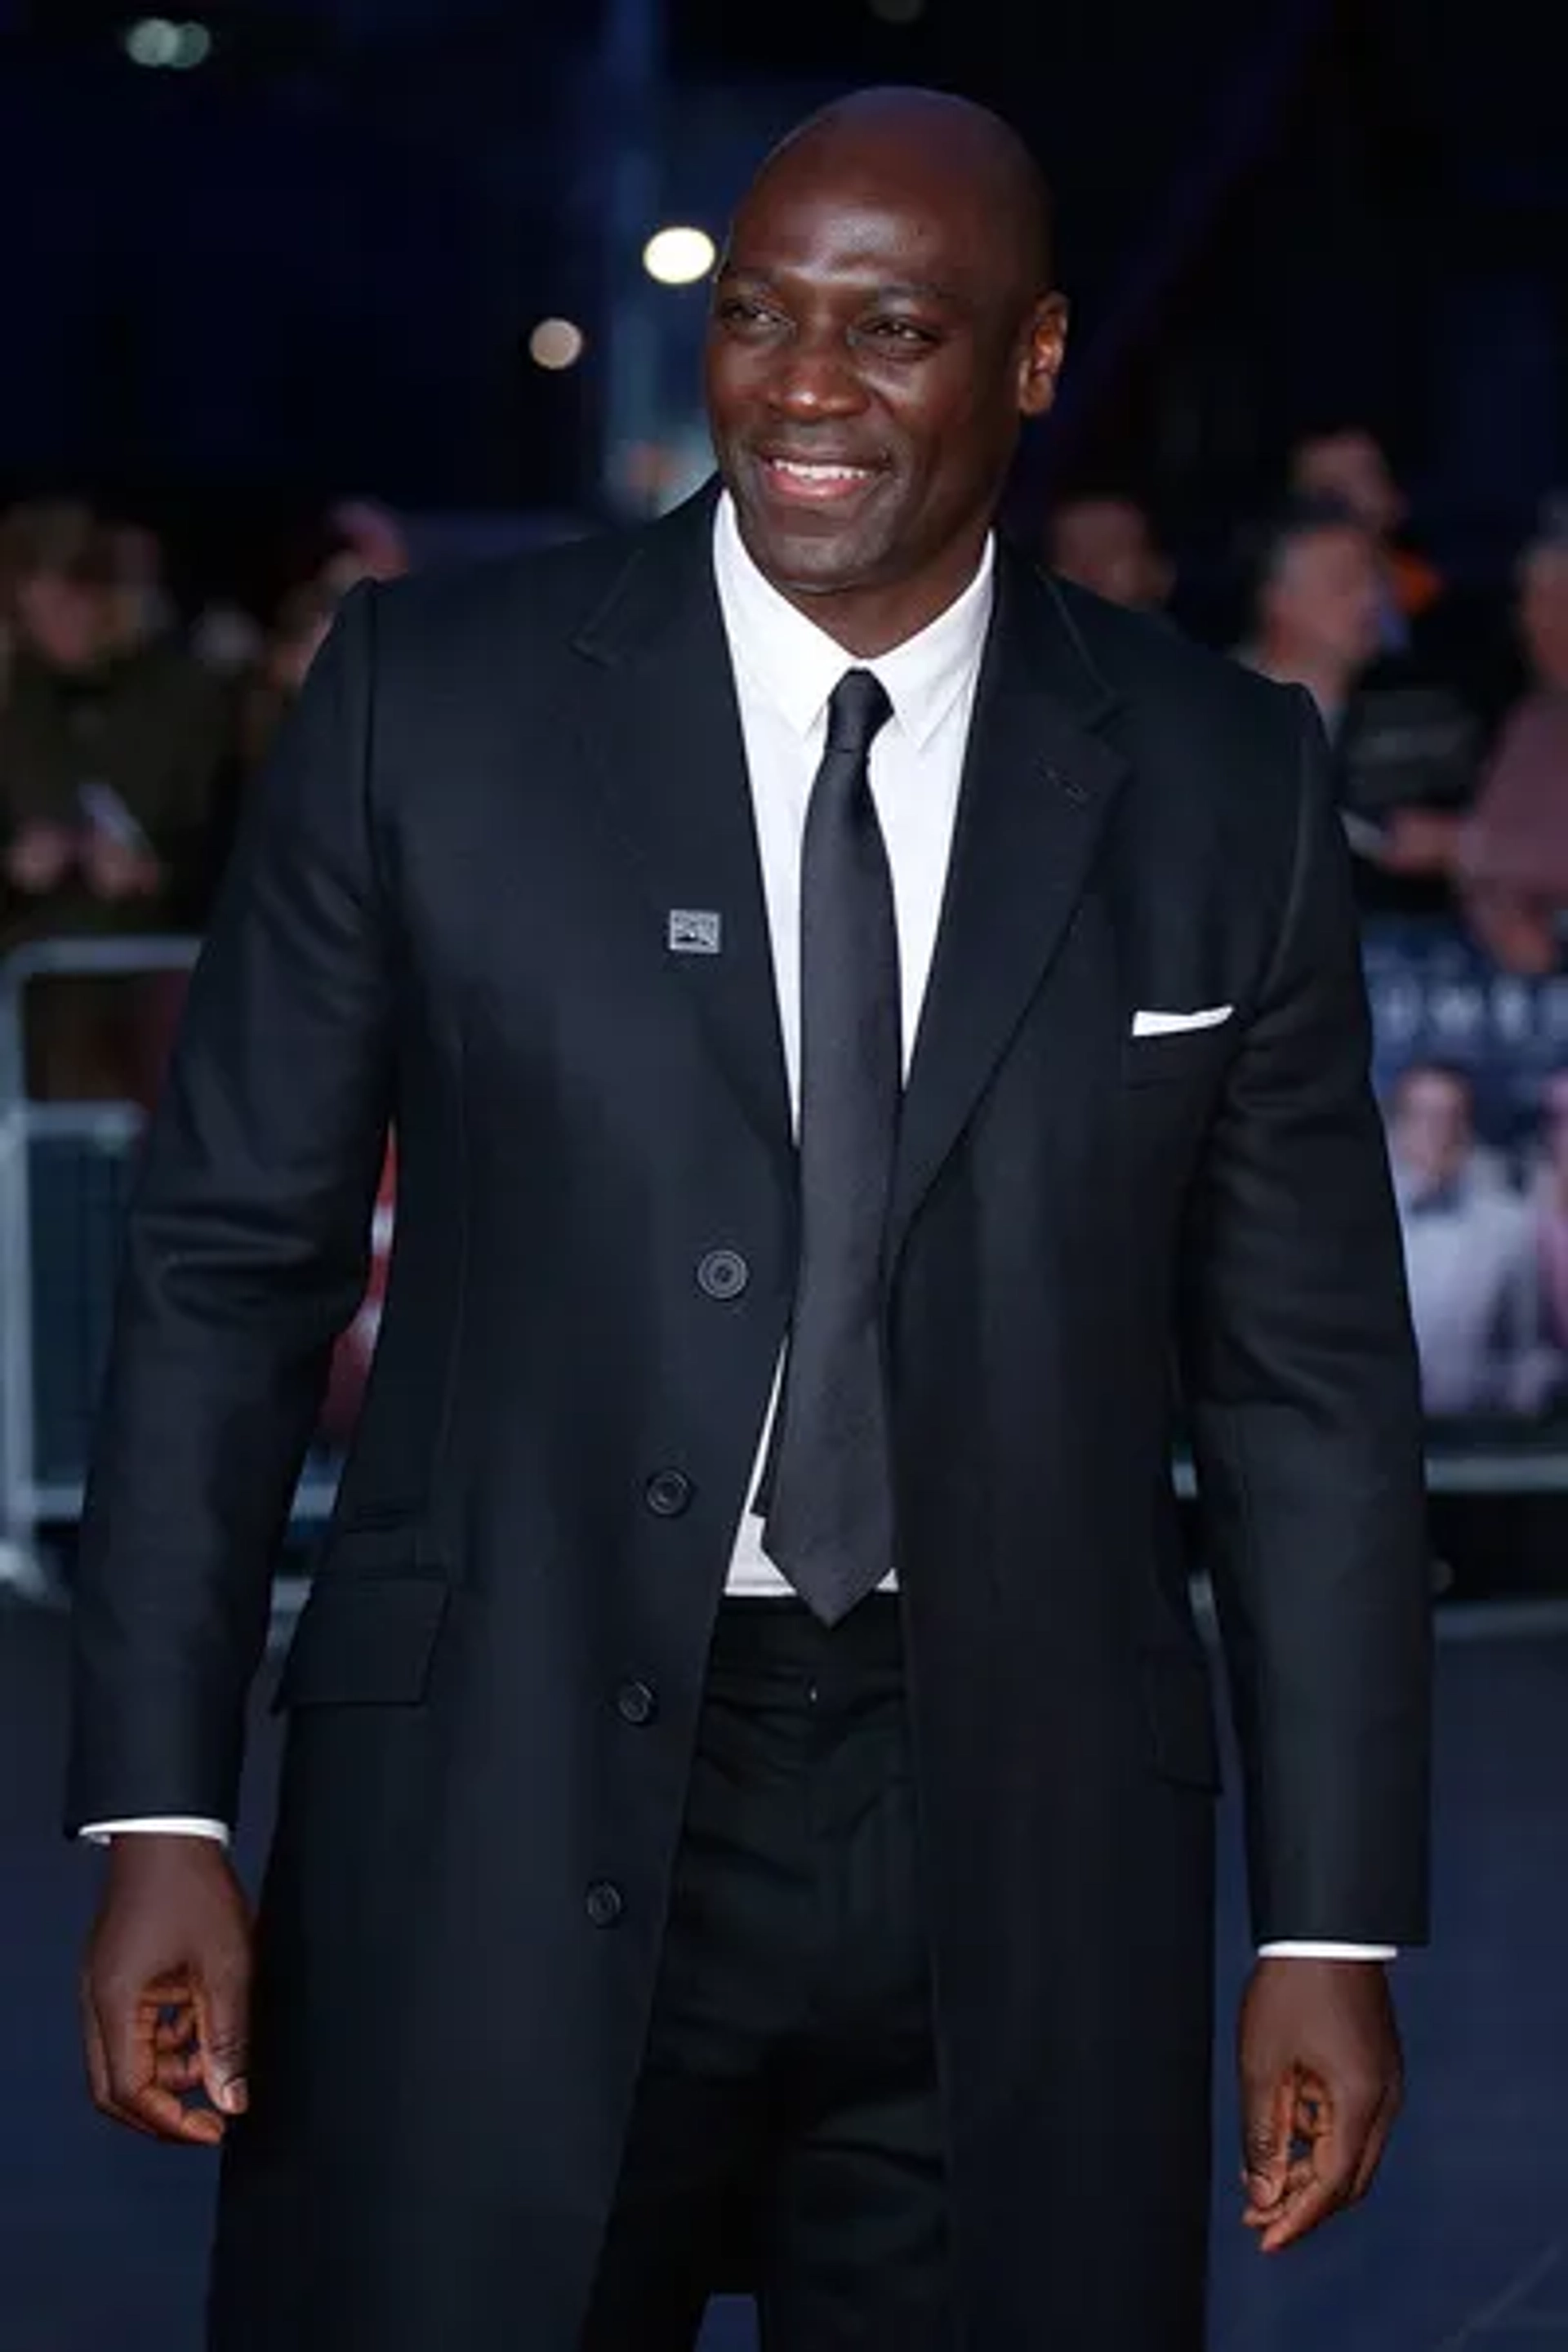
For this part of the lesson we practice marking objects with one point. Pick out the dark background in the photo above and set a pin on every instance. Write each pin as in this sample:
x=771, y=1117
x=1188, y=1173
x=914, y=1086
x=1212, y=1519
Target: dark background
x=312, y=264
x=310, y=267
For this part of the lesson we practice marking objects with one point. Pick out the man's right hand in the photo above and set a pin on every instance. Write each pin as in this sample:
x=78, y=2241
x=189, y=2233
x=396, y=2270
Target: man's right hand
x=165, y=1991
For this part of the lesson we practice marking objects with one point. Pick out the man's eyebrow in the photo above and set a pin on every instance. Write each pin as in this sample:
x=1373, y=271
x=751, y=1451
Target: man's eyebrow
x=902, y=289
x=922, y=289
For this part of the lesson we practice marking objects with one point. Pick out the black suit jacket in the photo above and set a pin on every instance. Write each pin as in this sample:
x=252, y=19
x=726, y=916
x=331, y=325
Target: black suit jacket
x=450, y=910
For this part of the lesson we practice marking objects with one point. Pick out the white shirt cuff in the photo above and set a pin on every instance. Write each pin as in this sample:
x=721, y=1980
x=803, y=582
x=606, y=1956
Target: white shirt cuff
x=154, y=1824
x=1327, y=1952
x=193, y=1825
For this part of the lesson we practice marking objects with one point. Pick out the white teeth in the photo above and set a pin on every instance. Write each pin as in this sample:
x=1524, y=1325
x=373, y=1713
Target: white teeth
x=803, y=470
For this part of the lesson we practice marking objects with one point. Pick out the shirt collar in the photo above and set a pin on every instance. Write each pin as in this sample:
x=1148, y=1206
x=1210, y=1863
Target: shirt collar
x=796, y=665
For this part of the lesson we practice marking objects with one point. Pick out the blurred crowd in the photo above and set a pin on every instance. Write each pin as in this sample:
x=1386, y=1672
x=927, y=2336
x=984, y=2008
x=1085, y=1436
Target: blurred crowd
x=129, y=732
x=129, y=728
x=1446, y=709
x=132, y=727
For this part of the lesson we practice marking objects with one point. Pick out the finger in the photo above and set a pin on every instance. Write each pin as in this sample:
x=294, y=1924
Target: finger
x=1298, y=2180
x=178, y=2070
x=127, y=2022
x=1315, y=2192
x=1318, y=2203
x=1377, y=2144
x=1266, y=2141
x=99, y=2075
x=93, y=2050
x=160, y=2109
x=1311, y=2119
x=163, y=2112
x=222, y=2037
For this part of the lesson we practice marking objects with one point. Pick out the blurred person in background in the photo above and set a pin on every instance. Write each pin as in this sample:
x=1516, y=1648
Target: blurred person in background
x=1549, y=1199
x=1315, y=608
x=355, y=539
x=369, y=543
x=1404, y=744
x=1346, y=466
x=1107, y=544
x=141, y=610
x=111, y=745
x=264, y=694
x=1468, y=1251
x=299, y=628
x=1510, y=859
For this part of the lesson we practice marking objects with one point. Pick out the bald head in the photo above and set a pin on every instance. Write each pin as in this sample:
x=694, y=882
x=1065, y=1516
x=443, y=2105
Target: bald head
x=938, y=137
x=883, y=322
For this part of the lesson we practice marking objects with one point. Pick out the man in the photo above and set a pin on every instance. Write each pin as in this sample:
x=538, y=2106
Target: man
x=113, y=744
x=1510, y=859
x=1468, y=1251
x=720, y=1843
x=1107, y=544
x=1404, y=744
x=1315, y=607
x=1347, y=465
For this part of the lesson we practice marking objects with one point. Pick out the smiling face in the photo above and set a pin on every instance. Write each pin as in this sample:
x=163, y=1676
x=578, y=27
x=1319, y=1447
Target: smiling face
x=879, y=330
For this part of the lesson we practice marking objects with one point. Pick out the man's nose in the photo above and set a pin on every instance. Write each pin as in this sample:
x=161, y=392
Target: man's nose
x=817, y=382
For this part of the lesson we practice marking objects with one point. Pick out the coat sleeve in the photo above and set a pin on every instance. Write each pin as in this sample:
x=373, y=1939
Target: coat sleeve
x=246, y=1252
x=1302, y=1394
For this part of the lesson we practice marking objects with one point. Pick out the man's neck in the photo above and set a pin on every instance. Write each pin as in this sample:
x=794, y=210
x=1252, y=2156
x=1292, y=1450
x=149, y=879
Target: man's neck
x=871, y=622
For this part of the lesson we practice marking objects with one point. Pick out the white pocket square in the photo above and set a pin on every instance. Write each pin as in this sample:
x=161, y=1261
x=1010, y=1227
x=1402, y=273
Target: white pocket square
x=1172, y=1025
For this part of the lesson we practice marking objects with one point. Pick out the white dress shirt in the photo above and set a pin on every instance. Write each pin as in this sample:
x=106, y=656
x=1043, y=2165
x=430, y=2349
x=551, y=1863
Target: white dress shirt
x=785, y=669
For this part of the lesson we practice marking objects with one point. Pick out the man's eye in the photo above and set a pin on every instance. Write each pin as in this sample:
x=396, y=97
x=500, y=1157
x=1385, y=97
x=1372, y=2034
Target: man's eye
x=900, y=330
x=736, y=311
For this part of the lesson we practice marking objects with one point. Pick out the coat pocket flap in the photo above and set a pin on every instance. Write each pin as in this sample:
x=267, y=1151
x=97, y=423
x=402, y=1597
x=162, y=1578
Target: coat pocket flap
x=1178, y=1699
x=363, y=1641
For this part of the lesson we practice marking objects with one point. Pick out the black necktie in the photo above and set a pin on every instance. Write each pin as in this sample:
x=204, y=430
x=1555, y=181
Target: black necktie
x=829, y=1523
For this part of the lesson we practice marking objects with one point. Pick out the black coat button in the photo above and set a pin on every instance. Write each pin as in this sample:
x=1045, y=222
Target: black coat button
x=722, y=1274
x=668, y=1494
x=603, y=1903
x=637, y=1703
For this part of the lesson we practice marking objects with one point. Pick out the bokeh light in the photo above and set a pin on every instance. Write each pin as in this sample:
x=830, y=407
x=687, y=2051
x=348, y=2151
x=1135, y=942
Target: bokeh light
x=679, y=256
x=555, y=343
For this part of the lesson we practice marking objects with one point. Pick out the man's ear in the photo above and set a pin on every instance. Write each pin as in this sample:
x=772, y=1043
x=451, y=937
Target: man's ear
x=1045, y=348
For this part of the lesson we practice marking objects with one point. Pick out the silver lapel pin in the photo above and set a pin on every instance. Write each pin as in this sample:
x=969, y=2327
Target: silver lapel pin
x=694, y=931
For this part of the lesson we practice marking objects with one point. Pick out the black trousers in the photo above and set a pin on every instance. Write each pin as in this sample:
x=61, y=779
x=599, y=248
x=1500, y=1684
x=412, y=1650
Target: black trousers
x=786, y=2138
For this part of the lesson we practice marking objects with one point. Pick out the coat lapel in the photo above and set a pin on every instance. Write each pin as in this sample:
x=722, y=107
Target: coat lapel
x=1038, y=785
x=672, y=766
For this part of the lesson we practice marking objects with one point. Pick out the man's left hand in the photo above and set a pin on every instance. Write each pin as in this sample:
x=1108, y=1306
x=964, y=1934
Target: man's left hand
x=1321, y=2082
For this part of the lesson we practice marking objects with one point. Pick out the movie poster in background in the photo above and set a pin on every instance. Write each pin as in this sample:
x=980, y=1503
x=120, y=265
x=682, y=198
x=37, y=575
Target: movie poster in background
x=1471, y=1068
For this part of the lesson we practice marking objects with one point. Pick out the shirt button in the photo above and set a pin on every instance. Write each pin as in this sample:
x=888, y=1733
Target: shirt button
x=603, y=1903
x=637, y=1703
x=722, y=1274
x=667, y=1493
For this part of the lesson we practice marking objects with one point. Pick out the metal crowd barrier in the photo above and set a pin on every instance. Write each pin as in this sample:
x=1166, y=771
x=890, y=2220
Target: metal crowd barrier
x=66, y=1173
